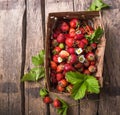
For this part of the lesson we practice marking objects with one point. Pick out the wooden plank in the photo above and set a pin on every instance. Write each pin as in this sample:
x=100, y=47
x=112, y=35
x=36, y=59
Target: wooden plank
x=61, y=6
x=34, y=43
x=110, y=97
x=87, y=106
x=11, y=57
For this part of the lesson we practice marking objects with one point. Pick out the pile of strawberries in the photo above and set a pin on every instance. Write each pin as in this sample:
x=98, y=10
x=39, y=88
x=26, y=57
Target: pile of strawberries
x=71, y=51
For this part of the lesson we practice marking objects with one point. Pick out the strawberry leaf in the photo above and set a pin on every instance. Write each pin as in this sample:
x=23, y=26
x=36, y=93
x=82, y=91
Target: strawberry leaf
x=63, y=109
x=43, y=92
x=95, y=37
x=82, y=84
x=97, y=5
x=28, y=77
x=38, y=59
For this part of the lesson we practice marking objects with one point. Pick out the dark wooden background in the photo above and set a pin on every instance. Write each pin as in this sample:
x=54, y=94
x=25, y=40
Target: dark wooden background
x=22, y=35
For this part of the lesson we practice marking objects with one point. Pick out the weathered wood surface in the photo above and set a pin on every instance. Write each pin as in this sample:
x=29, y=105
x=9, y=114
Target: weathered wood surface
x=11, y=57
x=22, y=35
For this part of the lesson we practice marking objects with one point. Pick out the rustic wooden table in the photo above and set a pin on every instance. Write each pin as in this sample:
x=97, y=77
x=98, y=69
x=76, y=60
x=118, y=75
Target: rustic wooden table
x=22, y=35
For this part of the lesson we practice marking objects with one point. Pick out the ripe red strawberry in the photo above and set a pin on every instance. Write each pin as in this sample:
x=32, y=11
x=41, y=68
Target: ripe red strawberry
x=78, y=65
x=60, y=88
x=60, y=68
x=74, y=23
x=62, y=45
x=47, y=100
x=81, y=44
x=87, y=72
x=64, y=27
x=54, y=43
x=71, y=50
x=85, y=41
x=69, y=88
x=93, y=45
x=92, y=68
x=72, y=32
x=72, y=59
x=86, y=63
x=79, y=36
x=56, y=50
x=60, y=38
x=63, y=54
x=55, y=58
x=59, y=76
x=56, y=103
x=90, y=56
x=56, y=33
x=92, y=62
x=82, y=30
x=53, y=65
x=81, y=69
x=63, y=83
x=68, y=67
x=69, y=42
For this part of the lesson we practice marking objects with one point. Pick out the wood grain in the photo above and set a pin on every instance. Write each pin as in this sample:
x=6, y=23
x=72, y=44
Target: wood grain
x=34, y=43
x=110, y=95
x=60, y=6
x=11, y=59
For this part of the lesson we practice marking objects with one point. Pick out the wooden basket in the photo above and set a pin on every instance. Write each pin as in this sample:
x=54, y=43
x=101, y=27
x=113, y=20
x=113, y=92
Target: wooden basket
x=52, y=20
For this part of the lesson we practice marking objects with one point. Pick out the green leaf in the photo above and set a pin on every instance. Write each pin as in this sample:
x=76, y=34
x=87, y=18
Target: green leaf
x=82, y=84
x=63, y=109
x=79, y=91
x=38, y=59
x=95, y=37
x=39, y=72
x=92, y=85
x=74, y=77
x=97, y=5
x=28, y=77
x=43, y=92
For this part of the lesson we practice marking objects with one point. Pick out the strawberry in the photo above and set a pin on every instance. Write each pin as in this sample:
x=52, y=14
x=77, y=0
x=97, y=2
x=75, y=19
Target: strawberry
x=72, y=32
x=54, y=43
x=92, y=62
x=53, y=65
x=79, y=36
x=82, y=30
x=93, y=45
x=64, y=27
x=59, y=76
x=71, y=50
x=85, y=41
x=90, y=56
x=60, y=88
x=56, y=103
x=63, y=83
x=92, y=68
x=87, y=72
x=53, y=78
x=60, y=38
x=72, y=59
x=68, y=67
x=63, y=54
x=86, y=63
x=69, y=42
x=60, y=67
x=81, y=44
x=47, y=100
x=56, y=33
x=61, y=45
x=81, y=69
x=69, y=88
x=78, y=65
x=74, y=23
x=55, y=58
x=56, y=50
